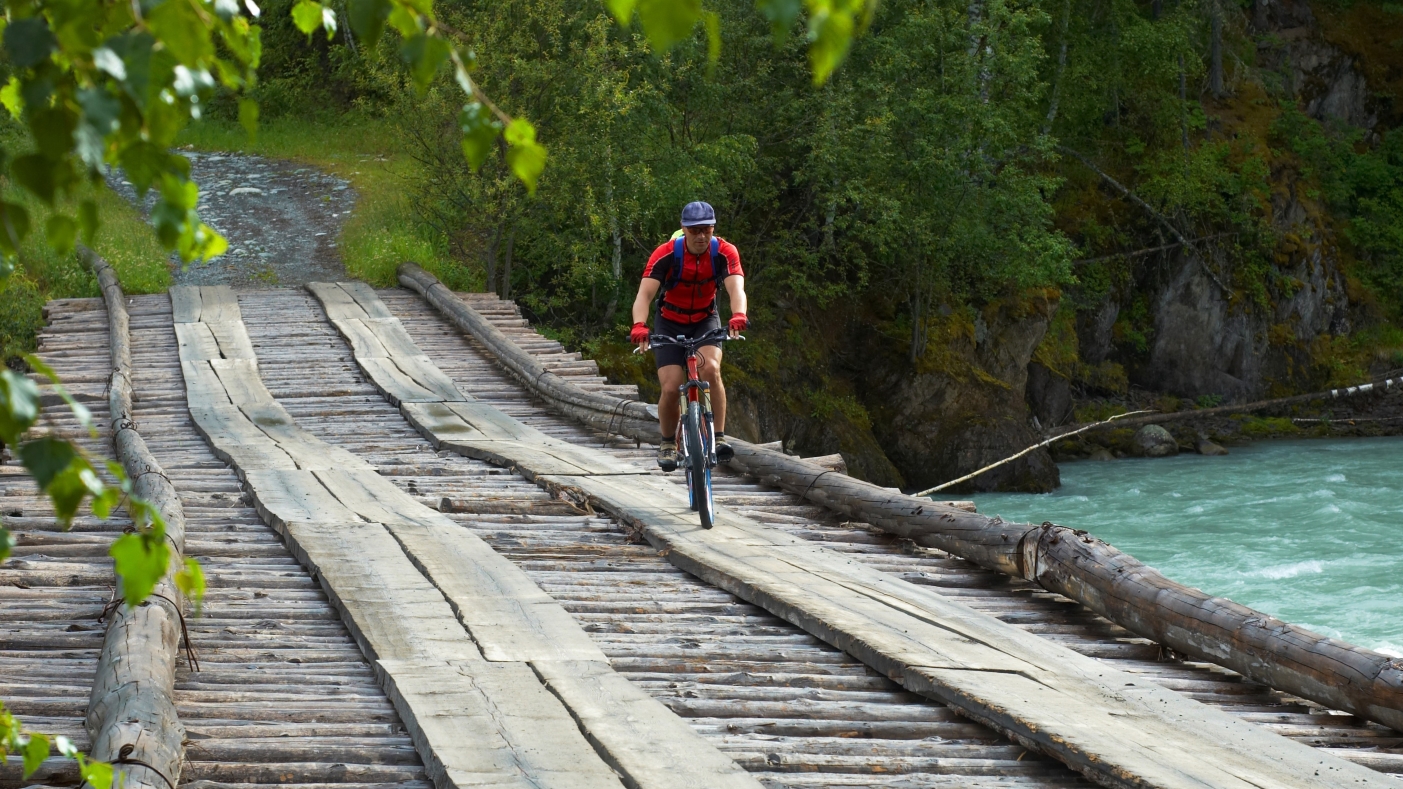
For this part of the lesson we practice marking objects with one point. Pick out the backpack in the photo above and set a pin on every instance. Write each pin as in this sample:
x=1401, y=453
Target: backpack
x=719, y=266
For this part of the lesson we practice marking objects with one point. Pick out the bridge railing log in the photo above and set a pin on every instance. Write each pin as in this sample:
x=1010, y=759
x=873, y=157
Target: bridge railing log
x=1070, y=562
x=132, y=719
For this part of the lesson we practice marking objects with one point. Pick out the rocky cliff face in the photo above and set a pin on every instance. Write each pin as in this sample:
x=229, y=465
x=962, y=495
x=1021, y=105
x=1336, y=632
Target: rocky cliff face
x=1203, y=336
x=962, y=407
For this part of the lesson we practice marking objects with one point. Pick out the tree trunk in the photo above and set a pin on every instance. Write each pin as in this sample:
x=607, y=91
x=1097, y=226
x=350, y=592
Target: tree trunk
x=496, y=239
x=507, y=266
x=1061, y=68
x=1215, y=73
x=1184, y=112
x=616, y=270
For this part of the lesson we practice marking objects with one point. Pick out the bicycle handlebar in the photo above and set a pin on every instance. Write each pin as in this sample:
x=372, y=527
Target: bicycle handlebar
x=690, y=345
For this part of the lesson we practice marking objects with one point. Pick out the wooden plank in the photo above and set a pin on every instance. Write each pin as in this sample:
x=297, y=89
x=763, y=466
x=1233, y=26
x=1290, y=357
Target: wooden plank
x=532, y=458
x=492, y=725
x=427, y=375
x=391, y=333
x=196, y=342
x=976, y=663
x=397, y=386
x=202, y=384
x=241, y=380
x=441, y=422
x=392, y=611
x=508, y=615
x=364, y=343
x=237, y=441
x=338, y=303
x=282, y=496
x=638, y=736
x=309, y=452
x=377, y=499
x=185, y=303
x=218, y=304
x=369, y=301
x=232, y=338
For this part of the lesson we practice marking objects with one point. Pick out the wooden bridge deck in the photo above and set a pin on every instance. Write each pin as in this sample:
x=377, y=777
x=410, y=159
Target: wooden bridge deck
x=285, y=697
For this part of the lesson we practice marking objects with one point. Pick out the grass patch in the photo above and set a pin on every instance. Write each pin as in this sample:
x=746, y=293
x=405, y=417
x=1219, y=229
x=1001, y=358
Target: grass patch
x=1266, y=426
x=383, y=230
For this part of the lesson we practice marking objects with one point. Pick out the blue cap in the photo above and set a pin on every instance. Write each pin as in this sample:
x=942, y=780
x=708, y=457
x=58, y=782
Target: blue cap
x=698, y=213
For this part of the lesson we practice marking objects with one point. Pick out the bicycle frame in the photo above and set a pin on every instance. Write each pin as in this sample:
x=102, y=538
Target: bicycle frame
x=697, y=453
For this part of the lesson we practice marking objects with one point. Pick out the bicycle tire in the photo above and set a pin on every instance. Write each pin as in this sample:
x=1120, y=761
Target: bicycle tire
x=698, y=475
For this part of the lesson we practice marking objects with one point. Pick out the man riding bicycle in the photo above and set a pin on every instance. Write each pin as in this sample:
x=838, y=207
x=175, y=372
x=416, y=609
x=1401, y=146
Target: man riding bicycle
x=688, y=270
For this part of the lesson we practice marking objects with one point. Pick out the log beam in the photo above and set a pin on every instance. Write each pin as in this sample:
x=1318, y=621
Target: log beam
x=132, y=718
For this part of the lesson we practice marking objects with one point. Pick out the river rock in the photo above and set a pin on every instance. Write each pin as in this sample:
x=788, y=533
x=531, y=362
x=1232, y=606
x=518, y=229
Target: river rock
x=1204, y=446
x=1153, y=441
x=1101, y=453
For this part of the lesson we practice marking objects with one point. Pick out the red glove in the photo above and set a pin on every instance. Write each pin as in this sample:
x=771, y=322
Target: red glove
x=639, y=334
x=738, y=322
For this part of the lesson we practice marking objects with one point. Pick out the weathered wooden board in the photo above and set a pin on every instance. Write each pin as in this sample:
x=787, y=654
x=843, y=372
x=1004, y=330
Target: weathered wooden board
x=236, y=440
x=202, y=384
x=392, y=611
x=218, y=304
x=535, y=458
x=397, y=385
x=390, y=332
x=978, y=664
x=241, y=381
x=185, y=303
x=366, y=297
x=196, y=342
x=309, y=452
x=509, y=616
x=636, y=735
x=364, y=343
x=338, y=303
x=232, y=338
x=283, y=496
x=427, y=375
x=521, y=735
x=377, y=499
x=440, y=422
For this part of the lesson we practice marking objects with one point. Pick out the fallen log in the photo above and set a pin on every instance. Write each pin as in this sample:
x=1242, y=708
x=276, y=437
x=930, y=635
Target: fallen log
x=132, y=719
x=1069, y=562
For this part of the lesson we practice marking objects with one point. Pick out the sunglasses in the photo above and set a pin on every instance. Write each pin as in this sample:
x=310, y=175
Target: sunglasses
x=699, y=229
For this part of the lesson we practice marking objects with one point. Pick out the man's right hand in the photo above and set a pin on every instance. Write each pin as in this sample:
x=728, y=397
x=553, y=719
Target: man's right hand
x=639, y=336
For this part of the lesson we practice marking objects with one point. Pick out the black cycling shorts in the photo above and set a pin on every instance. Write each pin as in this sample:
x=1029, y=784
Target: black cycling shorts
x=674, y=354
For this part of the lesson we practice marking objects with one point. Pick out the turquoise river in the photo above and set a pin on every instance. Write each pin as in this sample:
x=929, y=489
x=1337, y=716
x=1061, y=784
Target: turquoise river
x=1308, y=531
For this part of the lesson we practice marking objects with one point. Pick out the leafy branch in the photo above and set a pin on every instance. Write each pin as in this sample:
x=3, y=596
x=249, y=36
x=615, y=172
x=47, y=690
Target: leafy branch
x=34, y=749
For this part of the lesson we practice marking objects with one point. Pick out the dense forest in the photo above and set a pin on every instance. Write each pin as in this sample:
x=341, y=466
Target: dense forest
x=994, y=218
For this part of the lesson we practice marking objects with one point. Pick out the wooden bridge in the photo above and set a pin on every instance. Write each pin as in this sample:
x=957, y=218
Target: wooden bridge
x=438, y=555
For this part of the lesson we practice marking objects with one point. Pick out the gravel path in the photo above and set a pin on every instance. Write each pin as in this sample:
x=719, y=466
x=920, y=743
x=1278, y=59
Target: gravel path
x=282, y=220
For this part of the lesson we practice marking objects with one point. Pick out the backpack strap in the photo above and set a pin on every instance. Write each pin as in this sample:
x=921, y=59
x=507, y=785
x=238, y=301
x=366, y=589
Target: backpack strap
x=719, y=265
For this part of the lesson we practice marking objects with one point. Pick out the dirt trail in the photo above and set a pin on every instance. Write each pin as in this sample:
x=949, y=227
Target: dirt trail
x=282, y=220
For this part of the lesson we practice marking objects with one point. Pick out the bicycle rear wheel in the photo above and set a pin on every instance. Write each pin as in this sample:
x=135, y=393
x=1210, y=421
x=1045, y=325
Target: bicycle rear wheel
x=698, y=470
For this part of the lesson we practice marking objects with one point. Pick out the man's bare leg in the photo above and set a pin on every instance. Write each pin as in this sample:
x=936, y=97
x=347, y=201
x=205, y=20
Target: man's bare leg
x=710, y=371
x=671, y=378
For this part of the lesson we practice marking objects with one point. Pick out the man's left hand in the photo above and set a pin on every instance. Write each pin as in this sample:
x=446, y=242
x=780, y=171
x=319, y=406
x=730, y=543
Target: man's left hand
x=737, y=325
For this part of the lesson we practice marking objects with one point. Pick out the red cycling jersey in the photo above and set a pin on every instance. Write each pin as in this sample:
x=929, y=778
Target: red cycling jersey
x=693, y=298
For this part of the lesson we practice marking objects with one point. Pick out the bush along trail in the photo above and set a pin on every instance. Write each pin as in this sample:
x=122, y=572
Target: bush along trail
x=281, y=220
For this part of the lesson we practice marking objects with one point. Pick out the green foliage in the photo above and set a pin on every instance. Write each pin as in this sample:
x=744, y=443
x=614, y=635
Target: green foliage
x=1365, y=185
x=33, y=749
x=99, y=84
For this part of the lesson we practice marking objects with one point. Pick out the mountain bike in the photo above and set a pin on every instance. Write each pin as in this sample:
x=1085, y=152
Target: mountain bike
x=696, y=433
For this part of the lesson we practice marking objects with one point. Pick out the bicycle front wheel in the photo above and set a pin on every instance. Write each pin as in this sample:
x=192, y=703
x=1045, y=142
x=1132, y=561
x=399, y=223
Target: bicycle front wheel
x=698, y=472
